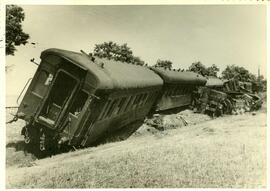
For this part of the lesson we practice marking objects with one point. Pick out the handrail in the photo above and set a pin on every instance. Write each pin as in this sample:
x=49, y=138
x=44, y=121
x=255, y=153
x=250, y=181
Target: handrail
x=17, y=101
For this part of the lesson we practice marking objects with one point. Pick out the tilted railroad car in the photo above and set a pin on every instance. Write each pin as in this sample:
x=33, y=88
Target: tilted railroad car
x=178, y=88
x=76, y=99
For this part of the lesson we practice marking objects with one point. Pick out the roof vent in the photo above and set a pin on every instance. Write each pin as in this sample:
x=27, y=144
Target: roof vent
x=102, y=65
x=89, y=56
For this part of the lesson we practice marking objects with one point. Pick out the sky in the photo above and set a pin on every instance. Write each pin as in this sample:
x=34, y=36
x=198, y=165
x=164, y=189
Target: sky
x=213, y=34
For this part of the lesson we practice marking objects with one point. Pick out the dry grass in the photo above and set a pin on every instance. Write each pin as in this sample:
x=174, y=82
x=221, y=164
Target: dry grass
x=226, y=152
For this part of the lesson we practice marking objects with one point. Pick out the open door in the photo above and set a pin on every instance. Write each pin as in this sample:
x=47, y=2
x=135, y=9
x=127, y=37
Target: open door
x=60, y=94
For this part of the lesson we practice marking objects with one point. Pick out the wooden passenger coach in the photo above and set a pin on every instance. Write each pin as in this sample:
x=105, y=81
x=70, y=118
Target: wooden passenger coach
x=178, y=88
x=76, y=98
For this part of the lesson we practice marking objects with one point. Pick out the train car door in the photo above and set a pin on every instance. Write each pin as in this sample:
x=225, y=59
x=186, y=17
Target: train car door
x=64, y=86
x=36, y=92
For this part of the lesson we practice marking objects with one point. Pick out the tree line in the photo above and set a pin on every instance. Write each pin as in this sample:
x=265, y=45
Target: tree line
x=112, y=50
x=15, y=36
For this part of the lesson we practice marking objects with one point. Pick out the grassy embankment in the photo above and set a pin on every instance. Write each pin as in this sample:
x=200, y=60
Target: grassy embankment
x=225, y=152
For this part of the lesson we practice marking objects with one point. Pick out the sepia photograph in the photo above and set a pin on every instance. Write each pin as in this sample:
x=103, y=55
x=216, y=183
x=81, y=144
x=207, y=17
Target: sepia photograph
x=135, y=95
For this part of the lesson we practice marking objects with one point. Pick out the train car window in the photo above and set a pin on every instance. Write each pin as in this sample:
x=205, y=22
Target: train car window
x=187, y=89
x=169, y=92
x=113, y=105
x=165, y=93
x=190, y=88
x=136, y=101
x=117, y=107
x=149, y=97
x=102, y=111
x=107, y=107
x=184, y=89
x=141, y=99
x=129, y=105
x=172, y=92
x=41, y=85
x=109, y=110
x=146, y=98
x=179, y=90
x=121, y=104
x=48, y=80
x=79, y=102
x=175, y=91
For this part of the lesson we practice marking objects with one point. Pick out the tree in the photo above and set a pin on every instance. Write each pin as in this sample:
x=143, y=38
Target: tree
x=242, y=74
x=212, y=70
x=199, y=68
x=164, y=64
x=111, y=50
x=14, y=32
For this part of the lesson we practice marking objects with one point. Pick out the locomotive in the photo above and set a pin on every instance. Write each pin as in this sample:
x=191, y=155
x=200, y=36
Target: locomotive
x=220, y=97
x=77, y=99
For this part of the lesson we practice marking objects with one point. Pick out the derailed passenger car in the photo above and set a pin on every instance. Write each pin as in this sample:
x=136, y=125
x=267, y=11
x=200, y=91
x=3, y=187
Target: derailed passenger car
x=76, y=99
x=178, y=88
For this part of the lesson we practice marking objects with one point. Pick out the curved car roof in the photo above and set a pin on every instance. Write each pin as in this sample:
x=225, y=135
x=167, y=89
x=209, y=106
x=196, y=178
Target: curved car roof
x=110, y=74
x=178, y=77
x=213, y=81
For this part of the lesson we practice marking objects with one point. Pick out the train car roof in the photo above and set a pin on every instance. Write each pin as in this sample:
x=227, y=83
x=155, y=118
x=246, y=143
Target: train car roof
x=213, y=81
x=110, y=74
x=178, y=77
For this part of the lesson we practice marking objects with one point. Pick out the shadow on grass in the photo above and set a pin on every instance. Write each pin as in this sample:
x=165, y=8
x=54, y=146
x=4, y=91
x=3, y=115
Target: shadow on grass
x=32, y=149
x=19, y=146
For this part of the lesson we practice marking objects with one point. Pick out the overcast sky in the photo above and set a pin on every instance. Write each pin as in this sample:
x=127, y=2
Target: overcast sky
x=220, y=34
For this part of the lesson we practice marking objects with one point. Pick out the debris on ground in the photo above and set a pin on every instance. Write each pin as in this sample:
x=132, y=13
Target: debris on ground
x=159, y=122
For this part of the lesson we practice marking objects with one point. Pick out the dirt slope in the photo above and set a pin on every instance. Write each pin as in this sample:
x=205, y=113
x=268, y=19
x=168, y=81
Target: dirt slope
x=225, y=152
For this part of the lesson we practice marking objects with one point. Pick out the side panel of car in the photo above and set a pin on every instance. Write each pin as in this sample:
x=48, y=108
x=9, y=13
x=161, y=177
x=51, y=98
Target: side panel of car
x=116, y=110
x=175, y=96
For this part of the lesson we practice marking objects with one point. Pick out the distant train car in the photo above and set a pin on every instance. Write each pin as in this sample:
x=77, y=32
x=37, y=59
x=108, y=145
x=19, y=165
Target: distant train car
x=76, y=99
x=215, y=83
x=211, y=99
x=178, y=88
